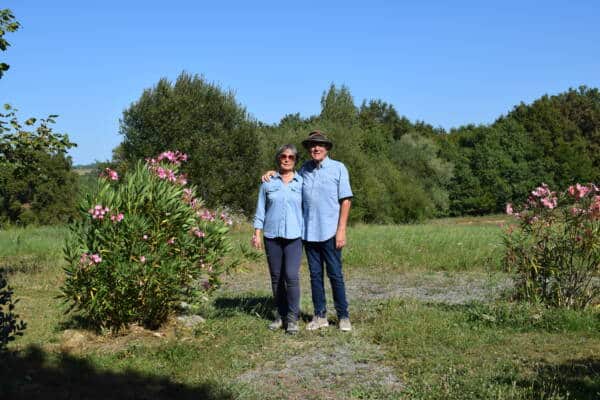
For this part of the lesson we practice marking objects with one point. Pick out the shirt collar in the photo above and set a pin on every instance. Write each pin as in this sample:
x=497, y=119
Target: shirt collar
x=295, y=178
x=323, y=163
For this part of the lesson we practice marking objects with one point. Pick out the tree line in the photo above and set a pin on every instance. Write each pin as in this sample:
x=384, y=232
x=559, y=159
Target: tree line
x=401, y=170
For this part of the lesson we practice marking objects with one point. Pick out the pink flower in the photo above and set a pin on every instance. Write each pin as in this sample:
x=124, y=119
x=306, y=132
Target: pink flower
x=96, y=259
x=111, y=174
x=198, y=233
x=171, y=241
x=84, y=258
x=541, y=191
x=161, y=173
x=98, y=211
x=549, y=202
x=171, y=177
x=173, y=157
x=578, y=191
x=575, y=211
x=117, y=218
x=583, y=190
x=142, y=259
x=145, y=237
x=509, y=209
x=207, y=216
x=182, y=180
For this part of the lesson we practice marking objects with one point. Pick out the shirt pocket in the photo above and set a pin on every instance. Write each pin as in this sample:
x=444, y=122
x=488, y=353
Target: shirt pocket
x=273, y=192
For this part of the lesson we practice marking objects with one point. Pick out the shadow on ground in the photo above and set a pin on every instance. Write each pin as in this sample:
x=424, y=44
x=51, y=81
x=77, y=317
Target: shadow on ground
x=33, y=374
x=580, y=378
x=261, y=306
x=573, y=379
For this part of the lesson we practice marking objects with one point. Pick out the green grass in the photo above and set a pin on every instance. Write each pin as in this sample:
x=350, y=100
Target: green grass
x=424, y=247
x=400, y=348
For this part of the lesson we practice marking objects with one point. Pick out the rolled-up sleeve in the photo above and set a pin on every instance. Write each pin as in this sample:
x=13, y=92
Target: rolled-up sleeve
x=259, y=216
x=344, y=190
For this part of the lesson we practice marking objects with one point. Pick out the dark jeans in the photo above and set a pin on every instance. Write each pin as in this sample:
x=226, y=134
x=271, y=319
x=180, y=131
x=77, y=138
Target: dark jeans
x=317, y=254
x=284, y=257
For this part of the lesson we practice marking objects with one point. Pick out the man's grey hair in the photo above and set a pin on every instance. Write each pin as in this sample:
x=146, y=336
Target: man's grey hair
x=283, y=148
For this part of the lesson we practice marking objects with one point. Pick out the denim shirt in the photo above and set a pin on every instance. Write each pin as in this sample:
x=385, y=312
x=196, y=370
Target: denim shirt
x=323, y=188
x=279, y=208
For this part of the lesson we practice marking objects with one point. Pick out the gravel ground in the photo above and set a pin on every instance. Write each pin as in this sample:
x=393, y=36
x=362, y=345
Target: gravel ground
x=436, y=287
x=338, y=366
x=334, y=372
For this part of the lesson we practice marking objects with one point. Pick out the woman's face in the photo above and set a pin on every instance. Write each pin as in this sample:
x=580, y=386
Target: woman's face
x=287, y=160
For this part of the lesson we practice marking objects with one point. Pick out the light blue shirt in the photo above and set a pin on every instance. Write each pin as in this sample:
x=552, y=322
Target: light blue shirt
x=323, y=188
x=279, y=208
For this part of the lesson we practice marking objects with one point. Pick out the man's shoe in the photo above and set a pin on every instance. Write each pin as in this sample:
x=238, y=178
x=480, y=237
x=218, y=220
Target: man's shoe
x=345, y=325
x=276, y=324
x=292, y=328
x=317, y=323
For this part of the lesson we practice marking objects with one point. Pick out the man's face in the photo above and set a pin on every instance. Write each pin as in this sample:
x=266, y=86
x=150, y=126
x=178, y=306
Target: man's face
x=317, y=151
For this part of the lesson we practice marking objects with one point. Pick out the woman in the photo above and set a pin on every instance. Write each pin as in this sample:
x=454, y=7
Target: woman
x=279, y=219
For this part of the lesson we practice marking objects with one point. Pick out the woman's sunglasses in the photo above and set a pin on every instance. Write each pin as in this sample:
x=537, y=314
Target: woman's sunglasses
x=287, y=157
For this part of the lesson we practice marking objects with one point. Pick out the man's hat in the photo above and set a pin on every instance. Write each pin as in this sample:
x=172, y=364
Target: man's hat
x=319, y=138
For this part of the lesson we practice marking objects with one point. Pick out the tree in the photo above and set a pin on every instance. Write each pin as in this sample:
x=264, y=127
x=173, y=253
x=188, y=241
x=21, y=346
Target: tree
x=7, y=24
x=337, y=105
x=200, y=119
x=37, y=183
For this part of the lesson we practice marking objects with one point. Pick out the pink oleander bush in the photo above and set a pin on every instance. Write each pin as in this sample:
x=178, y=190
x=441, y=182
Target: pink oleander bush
x=144, y=244
x=554, y=249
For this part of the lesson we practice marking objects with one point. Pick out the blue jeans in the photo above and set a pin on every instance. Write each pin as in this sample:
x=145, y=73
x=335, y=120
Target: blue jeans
x=325, y=253
x=284, y=257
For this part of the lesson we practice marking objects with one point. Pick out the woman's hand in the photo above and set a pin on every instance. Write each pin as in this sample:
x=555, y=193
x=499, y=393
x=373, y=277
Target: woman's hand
x=256, y=241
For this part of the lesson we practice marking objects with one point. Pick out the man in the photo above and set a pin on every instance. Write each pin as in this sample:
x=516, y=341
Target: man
x=326, y=200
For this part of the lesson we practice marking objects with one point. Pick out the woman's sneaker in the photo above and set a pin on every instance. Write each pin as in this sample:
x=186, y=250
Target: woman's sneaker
x=345, y=325
x=276, y=324
x=292, y=328
x=317, y=323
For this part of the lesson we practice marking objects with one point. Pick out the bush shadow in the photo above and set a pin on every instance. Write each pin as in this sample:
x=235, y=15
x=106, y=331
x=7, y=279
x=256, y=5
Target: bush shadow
x=32, y=374
x=579, y=378
x=256, y=305
x=262, y=306
x=79, y=322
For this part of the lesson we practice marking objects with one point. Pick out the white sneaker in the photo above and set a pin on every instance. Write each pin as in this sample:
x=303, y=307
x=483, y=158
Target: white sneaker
x=276, y=324
x=345, y=325
x=317, y=323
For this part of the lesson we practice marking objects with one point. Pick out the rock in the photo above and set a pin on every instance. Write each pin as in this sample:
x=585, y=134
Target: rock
x=190, y=321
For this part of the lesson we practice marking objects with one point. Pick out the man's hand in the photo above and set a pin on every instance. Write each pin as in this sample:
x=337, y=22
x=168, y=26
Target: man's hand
x=267, y=176
x=340, y=234
x=340, y=239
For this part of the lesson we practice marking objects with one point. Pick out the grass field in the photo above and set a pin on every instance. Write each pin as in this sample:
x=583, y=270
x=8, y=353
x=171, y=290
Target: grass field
x=427, y=302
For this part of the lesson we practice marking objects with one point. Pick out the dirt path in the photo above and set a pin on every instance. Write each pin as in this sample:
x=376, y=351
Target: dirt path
x=334, y=365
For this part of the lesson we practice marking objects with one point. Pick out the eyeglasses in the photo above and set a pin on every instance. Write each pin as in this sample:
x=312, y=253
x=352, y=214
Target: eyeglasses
x=313, y=145
x=287, y=157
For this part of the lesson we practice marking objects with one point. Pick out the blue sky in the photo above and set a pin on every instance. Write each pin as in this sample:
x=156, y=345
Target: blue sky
x=448, y=63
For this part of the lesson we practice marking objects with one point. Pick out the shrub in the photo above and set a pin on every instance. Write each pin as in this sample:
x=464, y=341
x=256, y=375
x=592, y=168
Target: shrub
x=10, y=327
x=144, y=244
x=555, y=250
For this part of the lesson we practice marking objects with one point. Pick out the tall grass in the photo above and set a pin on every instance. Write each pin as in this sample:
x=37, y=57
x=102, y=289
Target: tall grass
x=428, y=247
